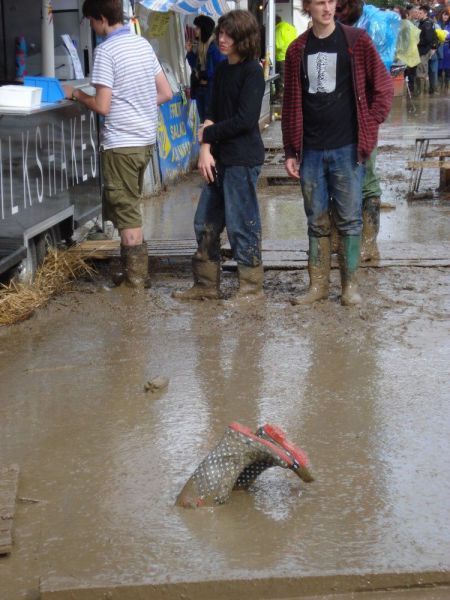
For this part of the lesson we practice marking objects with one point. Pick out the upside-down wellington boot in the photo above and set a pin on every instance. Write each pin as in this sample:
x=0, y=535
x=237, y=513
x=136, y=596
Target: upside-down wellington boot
x=215, y=477
x=300, y=462
x=206, y=275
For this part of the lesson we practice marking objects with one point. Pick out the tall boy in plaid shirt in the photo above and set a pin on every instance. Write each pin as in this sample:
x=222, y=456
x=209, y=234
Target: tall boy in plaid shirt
x=337, y=93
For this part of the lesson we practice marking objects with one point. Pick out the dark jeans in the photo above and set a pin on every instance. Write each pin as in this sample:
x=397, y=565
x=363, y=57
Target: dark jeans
x=230, y=202
x=433, y=72
x=336, y=174
x=410, y=72
x=279, y=83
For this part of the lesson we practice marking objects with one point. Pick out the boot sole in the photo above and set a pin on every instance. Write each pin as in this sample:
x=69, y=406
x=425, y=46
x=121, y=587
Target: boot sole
x=206, y=296
x=278, y=436
x=246, y=432
x=303, y=302
x=356, y=302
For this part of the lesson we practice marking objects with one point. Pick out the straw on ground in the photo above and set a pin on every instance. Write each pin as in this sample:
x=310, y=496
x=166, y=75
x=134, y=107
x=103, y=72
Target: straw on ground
x=18, y=301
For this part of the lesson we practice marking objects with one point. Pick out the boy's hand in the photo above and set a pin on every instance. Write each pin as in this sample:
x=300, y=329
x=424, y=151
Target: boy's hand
x=292, y=168
x=68, y=91
x=207, y=164
x=201, y=129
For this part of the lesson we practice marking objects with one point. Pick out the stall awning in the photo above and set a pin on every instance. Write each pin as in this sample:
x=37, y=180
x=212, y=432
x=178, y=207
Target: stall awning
x=211, y=8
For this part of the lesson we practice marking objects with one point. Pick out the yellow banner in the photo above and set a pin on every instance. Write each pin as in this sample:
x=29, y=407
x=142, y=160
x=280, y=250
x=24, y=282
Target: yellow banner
x=157, y=24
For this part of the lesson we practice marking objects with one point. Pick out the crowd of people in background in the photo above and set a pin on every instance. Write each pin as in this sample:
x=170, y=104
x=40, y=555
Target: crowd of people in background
x=429, y=30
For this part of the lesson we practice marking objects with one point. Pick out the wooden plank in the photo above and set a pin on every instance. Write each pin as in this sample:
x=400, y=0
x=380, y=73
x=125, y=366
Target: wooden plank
x=9, y=483
x=281, y=252
x=439, y=153
x=428, y=164
x=294, y=265
x=105, y=249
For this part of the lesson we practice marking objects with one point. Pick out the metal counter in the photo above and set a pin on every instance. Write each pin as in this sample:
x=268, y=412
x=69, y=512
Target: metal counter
x=49, y=171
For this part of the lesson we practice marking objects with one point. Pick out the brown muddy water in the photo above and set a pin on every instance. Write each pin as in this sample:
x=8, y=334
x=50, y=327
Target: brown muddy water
x=364, y=391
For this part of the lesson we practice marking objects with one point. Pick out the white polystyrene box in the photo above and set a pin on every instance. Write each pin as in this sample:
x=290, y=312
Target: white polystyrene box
x=20, y=96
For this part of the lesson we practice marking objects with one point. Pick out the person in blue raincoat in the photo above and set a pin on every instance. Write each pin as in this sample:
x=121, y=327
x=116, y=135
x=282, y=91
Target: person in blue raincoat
x=383, y=28
x=203, y=62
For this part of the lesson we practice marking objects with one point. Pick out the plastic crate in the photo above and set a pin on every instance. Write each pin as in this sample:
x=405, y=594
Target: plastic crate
x=19, y=96
x=52, y=90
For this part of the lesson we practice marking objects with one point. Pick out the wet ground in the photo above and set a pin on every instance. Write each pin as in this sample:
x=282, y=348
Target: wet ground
x=364, y=391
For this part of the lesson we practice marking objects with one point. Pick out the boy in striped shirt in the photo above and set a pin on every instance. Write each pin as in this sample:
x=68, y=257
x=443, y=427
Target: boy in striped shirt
x=129, y=84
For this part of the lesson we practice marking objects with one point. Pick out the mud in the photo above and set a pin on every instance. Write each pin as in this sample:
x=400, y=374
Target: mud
x=363, y=390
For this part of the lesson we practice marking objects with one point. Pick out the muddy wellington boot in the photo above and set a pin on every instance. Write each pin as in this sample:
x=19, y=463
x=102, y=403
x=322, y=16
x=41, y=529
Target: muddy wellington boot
x=349, y=253
x=215, y=477
x=206, y=275
x=136, y=266
x=131, y=257
x=251, y=281
x=301, y=465
x=319, y=271
x=118, y=272
x=371, y=227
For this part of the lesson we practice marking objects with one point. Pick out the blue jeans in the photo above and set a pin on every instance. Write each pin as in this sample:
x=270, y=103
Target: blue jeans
x=433, y=72
x=230, y=202
x=333, y=174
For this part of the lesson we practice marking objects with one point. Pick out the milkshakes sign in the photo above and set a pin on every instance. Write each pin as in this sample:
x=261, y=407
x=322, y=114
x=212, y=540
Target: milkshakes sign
x=44, y=156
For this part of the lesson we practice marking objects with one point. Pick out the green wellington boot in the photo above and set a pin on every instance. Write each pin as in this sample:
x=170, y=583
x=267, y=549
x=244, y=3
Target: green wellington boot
x=371, y=227
x=206, y=275
x=349, y=253
x=319, y=271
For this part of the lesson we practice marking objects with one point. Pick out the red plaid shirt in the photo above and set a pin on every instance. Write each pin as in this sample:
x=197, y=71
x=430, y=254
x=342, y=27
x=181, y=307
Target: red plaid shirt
x=372, y=85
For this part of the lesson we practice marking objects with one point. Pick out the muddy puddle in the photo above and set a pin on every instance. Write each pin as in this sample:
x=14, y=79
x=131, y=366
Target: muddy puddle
x=364, y=391
x=170, y=215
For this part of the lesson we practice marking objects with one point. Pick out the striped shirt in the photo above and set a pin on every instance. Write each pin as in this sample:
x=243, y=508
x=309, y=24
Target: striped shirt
x=127, y=64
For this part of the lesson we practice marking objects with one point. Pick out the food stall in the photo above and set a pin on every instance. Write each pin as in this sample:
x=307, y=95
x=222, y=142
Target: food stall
x=49, y=170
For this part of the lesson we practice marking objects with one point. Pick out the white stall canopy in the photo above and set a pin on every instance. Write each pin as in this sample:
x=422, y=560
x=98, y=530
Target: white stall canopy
x=212, y=8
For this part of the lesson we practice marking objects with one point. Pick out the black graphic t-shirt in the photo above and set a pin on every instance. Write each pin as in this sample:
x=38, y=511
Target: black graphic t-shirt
x=329, y=109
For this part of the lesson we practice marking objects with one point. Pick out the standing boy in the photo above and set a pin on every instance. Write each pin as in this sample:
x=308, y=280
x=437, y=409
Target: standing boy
x=337, y=93
x=231, y=156
x=129, y=84
x=427, y=48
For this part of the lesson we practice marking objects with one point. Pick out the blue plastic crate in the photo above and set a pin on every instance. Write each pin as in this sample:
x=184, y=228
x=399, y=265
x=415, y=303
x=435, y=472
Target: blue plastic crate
x=52, y=90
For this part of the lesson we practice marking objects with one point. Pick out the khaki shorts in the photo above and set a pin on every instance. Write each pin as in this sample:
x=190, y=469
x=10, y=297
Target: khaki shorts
x=123, y=176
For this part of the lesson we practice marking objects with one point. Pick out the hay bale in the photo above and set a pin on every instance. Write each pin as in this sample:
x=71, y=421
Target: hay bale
x=18, y=301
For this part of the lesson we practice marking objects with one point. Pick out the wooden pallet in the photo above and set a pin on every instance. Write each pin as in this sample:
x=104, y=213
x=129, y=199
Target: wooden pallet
x=280, y=255
x=426, y=148
x=9, y=483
